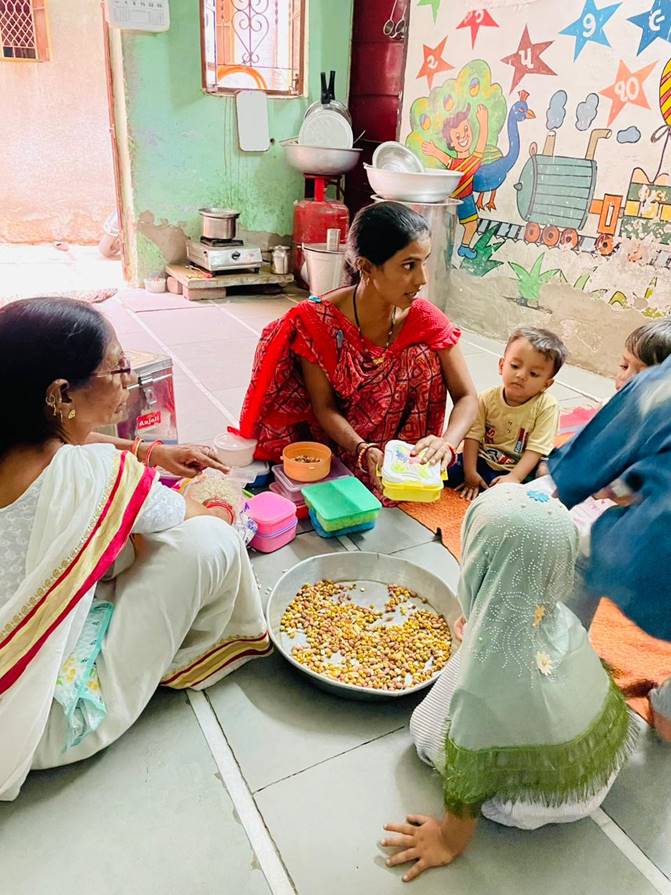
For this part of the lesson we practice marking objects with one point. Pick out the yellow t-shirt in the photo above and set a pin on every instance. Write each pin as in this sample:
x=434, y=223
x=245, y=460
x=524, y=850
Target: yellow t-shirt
x=506, y=432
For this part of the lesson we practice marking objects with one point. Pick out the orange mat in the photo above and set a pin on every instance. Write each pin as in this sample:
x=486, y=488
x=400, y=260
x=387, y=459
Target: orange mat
x=638, y=661
x=443, y=517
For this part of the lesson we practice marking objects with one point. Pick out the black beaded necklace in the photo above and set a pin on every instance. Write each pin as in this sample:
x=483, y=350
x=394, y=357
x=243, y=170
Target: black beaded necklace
x=390, y=334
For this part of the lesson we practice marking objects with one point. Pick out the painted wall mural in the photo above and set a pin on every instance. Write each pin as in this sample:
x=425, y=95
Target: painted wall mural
x=559, y=117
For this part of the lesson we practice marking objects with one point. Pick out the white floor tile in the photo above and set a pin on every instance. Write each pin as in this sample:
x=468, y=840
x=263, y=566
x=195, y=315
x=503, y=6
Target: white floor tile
x=328, y=820
x=148, y=815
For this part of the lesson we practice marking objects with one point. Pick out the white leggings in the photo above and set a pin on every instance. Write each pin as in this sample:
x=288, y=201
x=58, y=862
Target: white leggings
x=428, y=726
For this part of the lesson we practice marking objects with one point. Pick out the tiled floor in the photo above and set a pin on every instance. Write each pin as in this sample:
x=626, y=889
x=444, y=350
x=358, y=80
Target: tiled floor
x=203, y=797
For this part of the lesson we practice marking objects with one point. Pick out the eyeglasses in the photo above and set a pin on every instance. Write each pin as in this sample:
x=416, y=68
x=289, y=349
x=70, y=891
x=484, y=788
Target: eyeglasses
x=124, y=369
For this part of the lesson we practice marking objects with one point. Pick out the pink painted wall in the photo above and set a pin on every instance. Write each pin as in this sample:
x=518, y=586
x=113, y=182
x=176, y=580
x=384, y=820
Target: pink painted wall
x=56, y=174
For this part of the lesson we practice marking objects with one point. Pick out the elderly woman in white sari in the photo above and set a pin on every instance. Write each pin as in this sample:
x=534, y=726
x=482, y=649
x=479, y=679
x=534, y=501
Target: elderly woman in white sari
x=90, y=625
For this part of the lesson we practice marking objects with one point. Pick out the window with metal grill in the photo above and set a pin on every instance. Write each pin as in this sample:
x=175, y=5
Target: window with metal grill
x=253, y=45
x=23, y=30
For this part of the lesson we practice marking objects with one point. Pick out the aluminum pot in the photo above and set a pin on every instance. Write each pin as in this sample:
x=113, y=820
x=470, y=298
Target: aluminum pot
x=219, y=223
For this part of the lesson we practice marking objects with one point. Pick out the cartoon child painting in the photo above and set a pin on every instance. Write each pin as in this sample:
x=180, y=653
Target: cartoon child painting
x=458, y=136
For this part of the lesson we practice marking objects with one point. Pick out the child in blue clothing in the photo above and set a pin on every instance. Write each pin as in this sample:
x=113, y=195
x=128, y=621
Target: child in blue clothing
x=628, y=442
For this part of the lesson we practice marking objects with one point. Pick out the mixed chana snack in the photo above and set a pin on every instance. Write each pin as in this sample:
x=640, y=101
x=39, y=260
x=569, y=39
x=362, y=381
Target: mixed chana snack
x=393, y=648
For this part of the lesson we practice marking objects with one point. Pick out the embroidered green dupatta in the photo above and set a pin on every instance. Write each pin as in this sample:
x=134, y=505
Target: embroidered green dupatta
x=535, y=717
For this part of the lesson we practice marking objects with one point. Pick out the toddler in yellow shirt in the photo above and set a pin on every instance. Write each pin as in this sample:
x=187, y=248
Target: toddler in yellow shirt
x=517, y=422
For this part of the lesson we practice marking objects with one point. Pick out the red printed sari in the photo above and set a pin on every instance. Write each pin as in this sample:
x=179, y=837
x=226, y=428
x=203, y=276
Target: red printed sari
x=397, y=392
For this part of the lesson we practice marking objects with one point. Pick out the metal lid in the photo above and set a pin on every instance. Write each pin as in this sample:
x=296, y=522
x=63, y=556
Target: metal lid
x=145, y=363
x=214, y=212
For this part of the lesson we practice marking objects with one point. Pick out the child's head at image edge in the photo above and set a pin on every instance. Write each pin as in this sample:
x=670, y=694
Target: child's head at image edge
x=647, y=346
x=532, y=359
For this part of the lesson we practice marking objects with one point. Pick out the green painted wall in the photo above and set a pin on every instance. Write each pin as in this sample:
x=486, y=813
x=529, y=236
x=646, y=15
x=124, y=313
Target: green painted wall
x=183, y=144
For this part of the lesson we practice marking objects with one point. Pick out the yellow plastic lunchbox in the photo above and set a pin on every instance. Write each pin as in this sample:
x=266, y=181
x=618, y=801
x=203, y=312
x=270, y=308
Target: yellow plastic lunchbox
x=406, y=478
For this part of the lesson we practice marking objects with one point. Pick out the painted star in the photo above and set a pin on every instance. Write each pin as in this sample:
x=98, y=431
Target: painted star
x=435, y=6
x=475, y=20
x=590, y=25
x=627, y=88
x=654, y=24
x=434, y=63
x=526, y=60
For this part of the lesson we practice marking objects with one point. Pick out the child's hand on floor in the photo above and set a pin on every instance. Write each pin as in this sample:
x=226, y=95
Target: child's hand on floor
x=472, y=486
x=428, y=842
x=508, y=479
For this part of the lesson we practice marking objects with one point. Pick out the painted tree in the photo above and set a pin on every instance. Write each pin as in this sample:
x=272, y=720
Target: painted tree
x=530, y=282
x=484, y=248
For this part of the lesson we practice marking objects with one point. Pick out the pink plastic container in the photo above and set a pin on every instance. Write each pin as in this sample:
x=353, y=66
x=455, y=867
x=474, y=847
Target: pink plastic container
x=276, y=520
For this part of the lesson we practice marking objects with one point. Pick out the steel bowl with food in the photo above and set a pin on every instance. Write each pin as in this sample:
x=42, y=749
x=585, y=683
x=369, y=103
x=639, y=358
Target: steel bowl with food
x=363, y=626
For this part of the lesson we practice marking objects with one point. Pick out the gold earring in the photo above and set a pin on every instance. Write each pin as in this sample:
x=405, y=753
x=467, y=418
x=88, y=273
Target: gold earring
x=51, y=403
x=72, y=414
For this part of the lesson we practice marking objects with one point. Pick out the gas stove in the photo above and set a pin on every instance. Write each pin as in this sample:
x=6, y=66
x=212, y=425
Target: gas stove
x=218, y=256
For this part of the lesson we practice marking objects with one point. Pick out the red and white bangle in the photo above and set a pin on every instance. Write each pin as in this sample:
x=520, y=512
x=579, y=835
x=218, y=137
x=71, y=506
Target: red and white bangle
x=454, y=456
x=150, y=451
x=136, y=447
x=217, y=503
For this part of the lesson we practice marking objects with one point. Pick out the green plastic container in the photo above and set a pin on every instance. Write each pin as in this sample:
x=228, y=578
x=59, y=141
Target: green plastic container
x=342, y=503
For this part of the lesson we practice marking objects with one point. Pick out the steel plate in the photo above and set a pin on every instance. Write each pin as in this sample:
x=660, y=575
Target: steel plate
x=373, y=572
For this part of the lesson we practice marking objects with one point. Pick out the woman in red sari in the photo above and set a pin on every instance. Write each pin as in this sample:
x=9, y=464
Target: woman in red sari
x=369, y=363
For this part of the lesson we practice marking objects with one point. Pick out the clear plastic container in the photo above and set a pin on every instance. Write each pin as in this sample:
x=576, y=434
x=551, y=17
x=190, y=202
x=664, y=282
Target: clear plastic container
x=233, y=450
x=406, y=478
x=342, y=503
x=256, y=475
x=290, y=488
x=272, y=513
x=301, y=506
x=294, y=490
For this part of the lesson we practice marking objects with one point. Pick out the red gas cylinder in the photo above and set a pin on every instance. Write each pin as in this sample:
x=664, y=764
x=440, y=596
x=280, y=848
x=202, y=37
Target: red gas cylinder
x=312, y=219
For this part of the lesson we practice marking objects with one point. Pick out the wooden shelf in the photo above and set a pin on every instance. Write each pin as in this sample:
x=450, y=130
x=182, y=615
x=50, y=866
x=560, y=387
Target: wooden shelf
x=198, y=285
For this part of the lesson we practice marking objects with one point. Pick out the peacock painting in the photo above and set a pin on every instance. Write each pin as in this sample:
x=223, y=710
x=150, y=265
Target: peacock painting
x=491, y=174
x=471, y=88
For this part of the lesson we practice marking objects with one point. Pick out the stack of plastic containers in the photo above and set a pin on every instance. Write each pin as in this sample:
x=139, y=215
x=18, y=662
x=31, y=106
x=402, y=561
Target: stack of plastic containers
x=293, y=490
x=407, y=478
x=276, y=521
x=341, y=506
